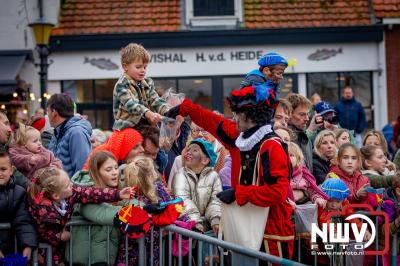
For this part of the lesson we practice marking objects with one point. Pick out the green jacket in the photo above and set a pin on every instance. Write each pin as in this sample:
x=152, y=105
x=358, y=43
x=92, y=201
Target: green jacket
x=102, y=214
x=396, y=159
x=378, y=181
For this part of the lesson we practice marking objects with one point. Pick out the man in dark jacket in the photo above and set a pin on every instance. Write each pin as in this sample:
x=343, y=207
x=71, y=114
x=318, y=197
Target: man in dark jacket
x=14, y=210
x=298, y=123
x=351, y=113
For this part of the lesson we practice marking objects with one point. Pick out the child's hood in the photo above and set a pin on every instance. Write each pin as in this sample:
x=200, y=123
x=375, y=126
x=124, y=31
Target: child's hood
x=82, y=178
x=342, y=175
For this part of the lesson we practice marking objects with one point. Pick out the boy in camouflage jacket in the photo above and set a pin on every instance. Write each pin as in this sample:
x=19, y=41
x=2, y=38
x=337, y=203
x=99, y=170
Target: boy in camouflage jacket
x=135, y=100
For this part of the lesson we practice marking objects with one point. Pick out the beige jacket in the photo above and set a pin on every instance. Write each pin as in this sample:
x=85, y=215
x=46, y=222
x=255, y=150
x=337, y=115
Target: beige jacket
x=199, y=195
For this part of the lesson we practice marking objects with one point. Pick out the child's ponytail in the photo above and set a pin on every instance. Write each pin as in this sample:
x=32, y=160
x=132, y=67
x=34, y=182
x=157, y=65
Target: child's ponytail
x=140, y=172
x=44, y=183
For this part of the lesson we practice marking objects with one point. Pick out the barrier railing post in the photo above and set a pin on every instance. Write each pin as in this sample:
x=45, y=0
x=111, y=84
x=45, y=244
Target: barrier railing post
x=190, y=251
x=49, y=254
x=169, y=248
x=180, y=250
x=90, y=244
x=161, y=258
x=394, y=250
x=70, y=246
x=126, y=250
x=35, y=258
x=199, y=253
x=142, y=253
x=108, y=245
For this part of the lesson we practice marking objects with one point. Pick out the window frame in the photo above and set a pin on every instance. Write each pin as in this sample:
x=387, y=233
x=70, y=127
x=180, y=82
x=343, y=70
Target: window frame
x=208, y=21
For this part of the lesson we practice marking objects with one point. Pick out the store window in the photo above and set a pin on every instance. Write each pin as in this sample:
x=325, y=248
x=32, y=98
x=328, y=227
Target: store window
x=329, y=86
x=198, y=90
x=93, y=99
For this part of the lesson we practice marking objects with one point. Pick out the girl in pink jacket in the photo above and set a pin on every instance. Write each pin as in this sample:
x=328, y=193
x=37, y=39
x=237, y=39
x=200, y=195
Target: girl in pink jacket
x=303, y=182
x=28, y=154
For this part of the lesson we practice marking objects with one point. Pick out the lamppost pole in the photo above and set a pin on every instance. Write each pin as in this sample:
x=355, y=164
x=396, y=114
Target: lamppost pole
x=43, y=51
x=42, y=29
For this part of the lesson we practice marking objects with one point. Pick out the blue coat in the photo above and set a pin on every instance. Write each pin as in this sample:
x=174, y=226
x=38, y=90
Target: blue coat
x=71, y=143
x=351, y=115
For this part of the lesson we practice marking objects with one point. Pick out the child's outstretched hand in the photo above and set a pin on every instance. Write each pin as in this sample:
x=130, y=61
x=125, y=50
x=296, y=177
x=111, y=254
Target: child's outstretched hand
x=362, y=192
x=215, y=228
x=320, y=202
x=27, y=252
x=292, y=203
x=367, y=236
x=65, y=235
x=153, y=118
x=127, y=193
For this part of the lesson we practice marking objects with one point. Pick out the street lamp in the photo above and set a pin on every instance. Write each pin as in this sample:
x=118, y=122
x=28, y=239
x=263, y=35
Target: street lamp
x=41, y=29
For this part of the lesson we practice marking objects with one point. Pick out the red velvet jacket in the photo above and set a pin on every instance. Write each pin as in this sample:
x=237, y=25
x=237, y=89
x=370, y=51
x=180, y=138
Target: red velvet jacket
x=272, y=190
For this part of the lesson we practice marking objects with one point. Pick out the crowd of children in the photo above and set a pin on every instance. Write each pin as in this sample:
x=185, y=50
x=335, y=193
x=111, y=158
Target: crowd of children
x=264, y=156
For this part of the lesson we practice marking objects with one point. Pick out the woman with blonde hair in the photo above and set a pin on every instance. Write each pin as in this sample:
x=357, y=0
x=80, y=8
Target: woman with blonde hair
x=324, y=151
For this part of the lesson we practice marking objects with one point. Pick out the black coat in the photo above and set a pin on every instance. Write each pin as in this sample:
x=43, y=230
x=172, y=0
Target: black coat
x=14, y=210
x=320, y=168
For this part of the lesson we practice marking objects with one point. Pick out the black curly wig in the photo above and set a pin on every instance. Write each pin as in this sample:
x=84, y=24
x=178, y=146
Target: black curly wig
x=260, y=115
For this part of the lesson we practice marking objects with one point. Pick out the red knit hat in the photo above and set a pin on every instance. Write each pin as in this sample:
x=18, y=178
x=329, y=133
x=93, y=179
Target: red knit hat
x=120, y=143
x=39, y=123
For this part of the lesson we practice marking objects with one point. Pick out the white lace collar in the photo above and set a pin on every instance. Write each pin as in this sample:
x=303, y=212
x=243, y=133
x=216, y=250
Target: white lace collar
x=248, y=144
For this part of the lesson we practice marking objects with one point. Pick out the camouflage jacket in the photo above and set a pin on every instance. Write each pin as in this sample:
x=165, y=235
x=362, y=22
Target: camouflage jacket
x=131, y=100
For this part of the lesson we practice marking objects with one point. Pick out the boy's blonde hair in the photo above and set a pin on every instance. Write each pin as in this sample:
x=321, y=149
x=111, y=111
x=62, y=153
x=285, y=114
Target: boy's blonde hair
x=21, y=136
x=46, y=181
x=132, y=52
x=141, y=172
x=295, y=149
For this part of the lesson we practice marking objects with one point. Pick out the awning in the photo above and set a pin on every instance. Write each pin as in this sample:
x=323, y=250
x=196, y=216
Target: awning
x=10, y=66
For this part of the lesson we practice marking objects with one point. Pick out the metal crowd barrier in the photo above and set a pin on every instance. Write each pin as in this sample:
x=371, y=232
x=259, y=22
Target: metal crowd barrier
x=46, y=247
x=238, y=255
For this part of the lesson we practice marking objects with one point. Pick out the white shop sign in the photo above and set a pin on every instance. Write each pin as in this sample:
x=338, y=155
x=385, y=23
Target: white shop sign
x=210, y=61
